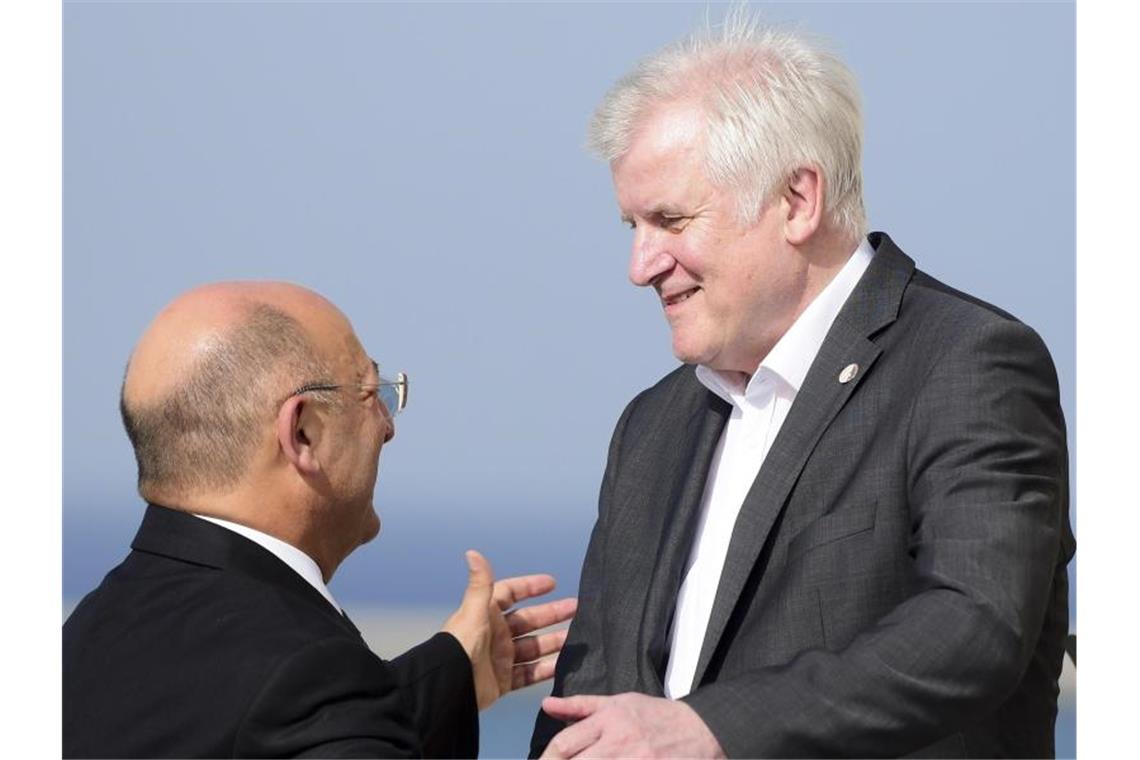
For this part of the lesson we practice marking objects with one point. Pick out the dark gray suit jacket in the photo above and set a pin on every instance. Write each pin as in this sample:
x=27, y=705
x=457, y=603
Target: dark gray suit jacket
x=895, y=582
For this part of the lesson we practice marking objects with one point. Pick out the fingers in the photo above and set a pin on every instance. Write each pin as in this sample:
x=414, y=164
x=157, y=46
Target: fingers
x=537, y=616
x=510, y=591
x=574, y=740
x=573, y=708
x=529, y=648
x=529, y=669
x=530, y=673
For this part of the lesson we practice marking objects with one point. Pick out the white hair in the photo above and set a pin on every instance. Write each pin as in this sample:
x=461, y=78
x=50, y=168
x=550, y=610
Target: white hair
x=773, y=102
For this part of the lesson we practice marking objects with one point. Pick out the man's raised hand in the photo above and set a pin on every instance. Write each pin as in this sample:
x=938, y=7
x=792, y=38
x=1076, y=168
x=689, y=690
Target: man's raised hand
x=505, y=652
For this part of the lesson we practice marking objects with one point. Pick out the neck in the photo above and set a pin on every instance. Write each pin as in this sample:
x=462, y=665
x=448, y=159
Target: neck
x=288, y=520
x=823, y=256
x=825, y=253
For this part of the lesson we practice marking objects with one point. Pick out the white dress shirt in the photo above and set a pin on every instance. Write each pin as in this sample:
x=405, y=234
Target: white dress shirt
x=301, y=563
x=758, y=411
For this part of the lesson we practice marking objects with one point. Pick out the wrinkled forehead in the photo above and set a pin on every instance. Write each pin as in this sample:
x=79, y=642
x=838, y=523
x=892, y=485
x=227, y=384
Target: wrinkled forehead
x=666, y=129
x=339, y=346
x=363, y=367
x=664, y=158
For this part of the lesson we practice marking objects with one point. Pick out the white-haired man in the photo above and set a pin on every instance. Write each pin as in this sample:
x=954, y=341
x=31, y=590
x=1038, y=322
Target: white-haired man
x=841, y=528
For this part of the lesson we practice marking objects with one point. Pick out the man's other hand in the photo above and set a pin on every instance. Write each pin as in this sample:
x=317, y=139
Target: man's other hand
x=504, y=655
x=628, y=725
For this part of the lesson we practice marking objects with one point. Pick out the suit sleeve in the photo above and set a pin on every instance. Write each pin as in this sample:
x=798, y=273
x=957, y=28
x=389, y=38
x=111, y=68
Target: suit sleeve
x=333, y=698
x=988, y=490
x=581, y=664
x=437, y=681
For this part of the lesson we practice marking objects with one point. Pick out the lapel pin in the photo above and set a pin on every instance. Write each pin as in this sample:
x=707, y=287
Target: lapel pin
x=848, y=373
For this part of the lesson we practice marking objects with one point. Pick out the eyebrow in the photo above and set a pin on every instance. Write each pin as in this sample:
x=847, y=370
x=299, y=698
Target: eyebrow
x=362, y=374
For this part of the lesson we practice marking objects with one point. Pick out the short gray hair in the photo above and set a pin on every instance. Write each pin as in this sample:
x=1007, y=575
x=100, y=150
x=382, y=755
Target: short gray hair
x=202, y=434
x=773, y=102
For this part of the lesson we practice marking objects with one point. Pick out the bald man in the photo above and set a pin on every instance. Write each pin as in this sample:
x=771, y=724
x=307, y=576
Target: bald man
x=257, y=421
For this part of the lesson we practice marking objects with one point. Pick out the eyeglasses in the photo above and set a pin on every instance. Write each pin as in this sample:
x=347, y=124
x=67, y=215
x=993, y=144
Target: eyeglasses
x=392, y=393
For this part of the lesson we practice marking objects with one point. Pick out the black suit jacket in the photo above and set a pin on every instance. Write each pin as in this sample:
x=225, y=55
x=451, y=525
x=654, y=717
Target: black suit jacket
x=895, y=583
x=203, y=644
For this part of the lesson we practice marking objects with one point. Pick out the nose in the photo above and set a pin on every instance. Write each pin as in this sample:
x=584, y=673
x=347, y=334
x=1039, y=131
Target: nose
x=649, y=258
x=389, y=426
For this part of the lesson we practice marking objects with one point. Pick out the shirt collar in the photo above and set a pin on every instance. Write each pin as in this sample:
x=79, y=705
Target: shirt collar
x=793, y=354
x=301, y=563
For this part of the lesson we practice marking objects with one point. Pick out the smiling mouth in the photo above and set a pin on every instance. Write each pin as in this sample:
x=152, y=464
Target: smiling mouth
x=679, y=297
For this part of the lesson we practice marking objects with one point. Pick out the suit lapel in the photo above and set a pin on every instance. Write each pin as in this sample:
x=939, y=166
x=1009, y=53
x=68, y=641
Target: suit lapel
x=707, y=419
x=873, y=304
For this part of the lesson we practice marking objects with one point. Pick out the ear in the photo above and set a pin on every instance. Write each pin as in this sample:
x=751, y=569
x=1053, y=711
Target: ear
x=298, y=429
x=803, y=198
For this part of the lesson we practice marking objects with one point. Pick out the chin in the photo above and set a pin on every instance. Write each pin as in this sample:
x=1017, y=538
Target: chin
x=688, y=353
x=371, y=526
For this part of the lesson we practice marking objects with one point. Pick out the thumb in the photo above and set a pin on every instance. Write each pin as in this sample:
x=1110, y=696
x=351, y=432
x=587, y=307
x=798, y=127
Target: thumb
x=480, y=581
x=572, y=708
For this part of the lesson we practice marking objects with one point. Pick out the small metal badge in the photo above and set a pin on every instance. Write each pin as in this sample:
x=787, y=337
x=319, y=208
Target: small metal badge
x=848, y=374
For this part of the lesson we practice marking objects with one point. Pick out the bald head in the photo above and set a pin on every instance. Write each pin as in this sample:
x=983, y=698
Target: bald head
x=199, y=323
x=202, y=383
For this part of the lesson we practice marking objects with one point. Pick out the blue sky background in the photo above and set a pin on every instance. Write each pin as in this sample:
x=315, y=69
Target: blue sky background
x=422, y=166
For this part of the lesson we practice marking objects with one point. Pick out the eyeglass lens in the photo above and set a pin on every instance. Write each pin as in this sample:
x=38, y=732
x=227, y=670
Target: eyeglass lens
x=395, y=394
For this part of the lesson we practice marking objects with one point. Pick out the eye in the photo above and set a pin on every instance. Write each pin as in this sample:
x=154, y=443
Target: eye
x=628, y=222
x=673, y=223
